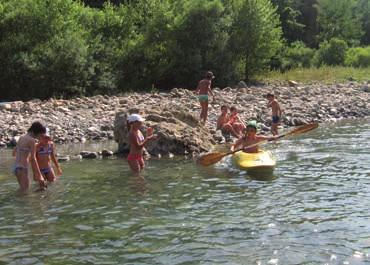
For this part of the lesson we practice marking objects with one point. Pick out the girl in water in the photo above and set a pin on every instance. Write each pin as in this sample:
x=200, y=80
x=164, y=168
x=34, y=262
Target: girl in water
x=25, y=154
x=45, y=153
x=137, y=142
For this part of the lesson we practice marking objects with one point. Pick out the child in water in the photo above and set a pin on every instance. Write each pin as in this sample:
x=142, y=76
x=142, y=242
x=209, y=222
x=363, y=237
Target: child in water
x=25, y=154
x=203, y=89
x=251, y=137
x=137, y=142
x=45, y=153
x=276, y=112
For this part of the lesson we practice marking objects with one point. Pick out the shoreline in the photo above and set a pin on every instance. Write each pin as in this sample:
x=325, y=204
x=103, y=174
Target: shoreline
x=92, y=118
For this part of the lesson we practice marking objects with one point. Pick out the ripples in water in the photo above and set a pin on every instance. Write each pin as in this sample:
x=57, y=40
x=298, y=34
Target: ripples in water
x=314, y=210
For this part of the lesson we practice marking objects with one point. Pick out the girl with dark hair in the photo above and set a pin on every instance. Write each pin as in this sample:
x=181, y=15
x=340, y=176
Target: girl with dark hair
x=25, y=154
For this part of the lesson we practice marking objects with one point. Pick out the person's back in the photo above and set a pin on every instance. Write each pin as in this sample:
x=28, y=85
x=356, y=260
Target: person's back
x=22, y=152
x=204, y=86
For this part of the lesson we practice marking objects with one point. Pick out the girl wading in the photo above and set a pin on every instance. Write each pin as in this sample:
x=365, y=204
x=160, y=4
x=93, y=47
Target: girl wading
x=137, y=142
x=25, y=154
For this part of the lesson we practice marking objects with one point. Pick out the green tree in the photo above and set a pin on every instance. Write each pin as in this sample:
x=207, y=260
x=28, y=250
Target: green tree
x=255, y=36
x=363, y=8
x=308, y=18
x=339, y=19
x=288, y=12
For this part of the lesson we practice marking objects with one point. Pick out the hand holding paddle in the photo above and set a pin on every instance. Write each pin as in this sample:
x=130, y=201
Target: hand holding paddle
x=214, y=157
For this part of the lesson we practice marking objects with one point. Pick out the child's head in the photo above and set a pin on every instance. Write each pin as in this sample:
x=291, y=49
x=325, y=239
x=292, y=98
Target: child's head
x=251, y=128
x=224, y=109
x=37, y=129
x=209, y=75
x=135, y=121
x=233, y=109
x=45, y=137
x=270, y=96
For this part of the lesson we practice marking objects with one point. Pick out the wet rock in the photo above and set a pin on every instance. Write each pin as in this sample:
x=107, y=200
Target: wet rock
x=63, y=158
x=89, y=155
x=179, y=134
x=106, y=153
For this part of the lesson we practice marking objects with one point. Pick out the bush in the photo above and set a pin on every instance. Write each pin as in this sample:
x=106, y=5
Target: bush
x=331, y=52
x=297, y=55
x=358, y=57
x=43, y=49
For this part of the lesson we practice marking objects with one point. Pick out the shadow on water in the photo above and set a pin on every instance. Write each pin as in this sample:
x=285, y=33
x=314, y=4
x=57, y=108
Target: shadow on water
x=262, y=176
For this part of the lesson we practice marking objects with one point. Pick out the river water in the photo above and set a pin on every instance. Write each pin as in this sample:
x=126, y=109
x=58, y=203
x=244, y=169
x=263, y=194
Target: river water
x=314, y=210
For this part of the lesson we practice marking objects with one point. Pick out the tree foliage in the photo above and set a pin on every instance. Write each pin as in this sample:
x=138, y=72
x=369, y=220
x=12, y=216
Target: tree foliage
x=339, y=19
x=66, y=48
x=255, y=36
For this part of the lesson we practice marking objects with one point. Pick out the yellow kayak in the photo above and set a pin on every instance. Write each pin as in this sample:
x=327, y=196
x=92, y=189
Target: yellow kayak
x=261, y=162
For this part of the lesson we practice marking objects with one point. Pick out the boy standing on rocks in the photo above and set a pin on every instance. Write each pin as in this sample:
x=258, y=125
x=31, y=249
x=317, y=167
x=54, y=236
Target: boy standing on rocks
x=276, y=112
x=203, y=89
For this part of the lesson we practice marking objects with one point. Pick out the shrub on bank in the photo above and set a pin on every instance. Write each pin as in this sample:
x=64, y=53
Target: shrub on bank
x=297, y=55
x=358, y=57
x=331, y=52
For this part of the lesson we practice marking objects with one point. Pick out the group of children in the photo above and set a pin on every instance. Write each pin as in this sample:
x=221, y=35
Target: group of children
x=37, y=149
x=231, y=124
x=228, y=123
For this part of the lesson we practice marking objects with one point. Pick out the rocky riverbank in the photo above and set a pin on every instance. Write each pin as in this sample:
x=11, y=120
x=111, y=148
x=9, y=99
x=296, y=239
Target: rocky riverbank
x=176, y=112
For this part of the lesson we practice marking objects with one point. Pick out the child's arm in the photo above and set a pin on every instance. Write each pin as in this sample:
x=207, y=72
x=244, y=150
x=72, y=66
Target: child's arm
x=134, y=139
x=236, y=145
x=35, y=167
x=280, y=111
x=14, y=151
x=268, y=138
x=55, y=161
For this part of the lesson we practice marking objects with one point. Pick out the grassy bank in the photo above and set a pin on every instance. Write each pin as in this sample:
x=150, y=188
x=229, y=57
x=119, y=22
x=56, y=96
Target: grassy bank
x=326, y=75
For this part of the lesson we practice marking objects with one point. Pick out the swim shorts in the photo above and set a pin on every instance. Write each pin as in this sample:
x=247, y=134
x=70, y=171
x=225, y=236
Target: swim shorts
x=275, y=119
x=203, y=98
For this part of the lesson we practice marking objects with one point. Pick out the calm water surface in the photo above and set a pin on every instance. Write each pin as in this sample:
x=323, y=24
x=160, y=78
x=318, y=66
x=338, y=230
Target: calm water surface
x=316, y=209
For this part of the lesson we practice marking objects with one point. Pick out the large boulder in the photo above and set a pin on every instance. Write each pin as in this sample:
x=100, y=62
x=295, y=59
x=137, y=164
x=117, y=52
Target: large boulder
x=179, y=131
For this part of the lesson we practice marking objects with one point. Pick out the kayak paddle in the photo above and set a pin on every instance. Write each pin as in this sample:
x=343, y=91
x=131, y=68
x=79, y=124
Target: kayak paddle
x=214, y=157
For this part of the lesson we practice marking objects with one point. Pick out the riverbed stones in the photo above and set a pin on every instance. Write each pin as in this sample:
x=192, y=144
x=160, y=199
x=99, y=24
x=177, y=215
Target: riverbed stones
x=93, y=118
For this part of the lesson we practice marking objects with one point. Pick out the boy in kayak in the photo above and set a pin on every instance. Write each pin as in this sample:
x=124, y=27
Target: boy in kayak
x=250, y=138
x=203, y=89
x=276, y=112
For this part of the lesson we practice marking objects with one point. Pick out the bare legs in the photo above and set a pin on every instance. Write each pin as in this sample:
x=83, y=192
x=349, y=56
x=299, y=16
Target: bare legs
x=136, y=165
x=23, y=180
x=204, y=111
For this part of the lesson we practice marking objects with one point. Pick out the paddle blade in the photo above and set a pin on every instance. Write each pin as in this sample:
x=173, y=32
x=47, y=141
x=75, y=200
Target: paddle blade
x=211, y=158
x=303, y=129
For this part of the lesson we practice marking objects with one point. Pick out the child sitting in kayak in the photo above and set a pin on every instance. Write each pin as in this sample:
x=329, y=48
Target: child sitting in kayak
x=45, y=153
x=251, y=137
x=137, y=142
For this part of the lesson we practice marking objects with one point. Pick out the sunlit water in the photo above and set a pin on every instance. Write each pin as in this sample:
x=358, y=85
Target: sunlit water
x=316, y=209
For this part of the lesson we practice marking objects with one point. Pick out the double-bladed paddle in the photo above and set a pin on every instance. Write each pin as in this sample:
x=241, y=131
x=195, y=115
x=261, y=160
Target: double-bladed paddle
x=214, y=157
